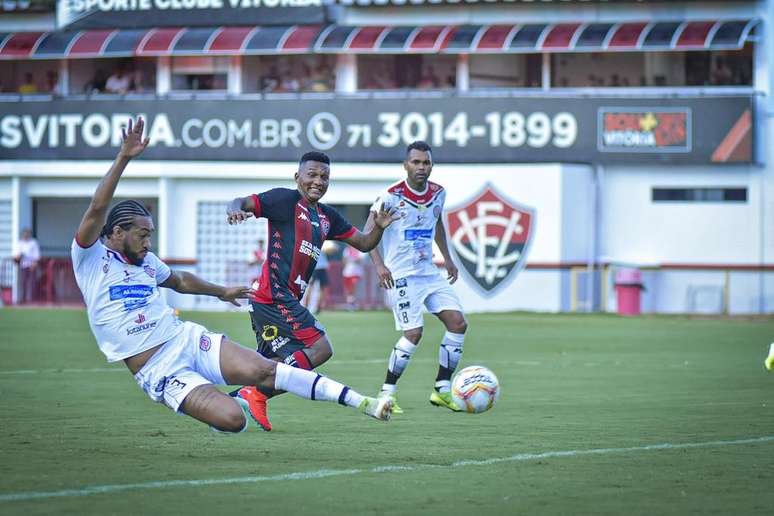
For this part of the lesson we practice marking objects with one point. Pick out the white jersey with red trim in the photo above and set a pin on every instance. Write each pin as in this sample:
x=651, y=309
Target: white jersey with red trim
x=407, y=244
x=126, y=311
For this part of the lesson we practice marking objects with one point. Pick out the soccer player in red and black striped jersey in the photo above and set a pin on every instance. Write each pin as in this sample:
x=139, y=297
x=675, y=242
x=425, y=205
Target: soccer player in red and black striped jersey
x=298, y=225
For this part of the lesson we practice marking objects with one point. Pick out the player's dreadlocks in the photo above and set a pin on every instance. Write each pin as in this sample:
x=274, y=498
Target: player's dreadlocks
x=122, y=215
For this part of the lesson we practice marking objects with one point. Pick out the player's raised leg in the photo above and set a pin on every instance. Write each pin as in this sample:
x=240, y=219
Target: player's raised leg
x=449, y=355
x=240, y=365
x=769, y=362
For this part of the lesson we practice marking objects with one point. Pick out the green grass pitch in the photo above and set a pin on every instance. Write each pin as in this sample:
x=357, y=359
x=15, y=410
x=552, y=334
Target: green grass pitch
x=583, y=398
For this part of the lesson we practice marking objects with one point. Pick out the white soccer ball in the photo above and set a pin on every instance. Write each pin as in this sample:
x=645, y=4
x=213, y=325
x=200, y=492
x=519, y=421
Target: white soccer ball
x=475, y=389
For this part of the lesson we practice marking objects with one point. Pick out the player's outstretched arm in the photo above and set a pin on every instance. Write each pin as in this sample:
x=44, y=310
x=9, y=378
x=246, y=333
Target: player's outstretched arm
x=132, y=146
x=240, y=209
x=366, y=242
x=440, y=240
x=384, y=274
x=187, y=283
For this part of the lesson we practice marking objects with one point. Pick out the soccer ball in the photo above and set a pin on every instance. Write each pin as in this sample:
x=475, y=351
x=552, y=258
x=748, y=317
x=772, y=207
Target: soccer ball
x=475, y=389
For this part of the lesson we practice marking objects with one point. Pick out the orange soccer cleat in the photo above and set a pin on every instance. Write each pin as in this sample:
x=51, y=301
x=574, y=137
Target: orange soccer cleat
x=257, y=402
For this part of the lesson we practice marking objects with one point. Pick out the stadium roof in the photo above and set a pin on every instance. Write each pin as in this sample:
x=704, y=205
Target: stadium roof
x=525, y=38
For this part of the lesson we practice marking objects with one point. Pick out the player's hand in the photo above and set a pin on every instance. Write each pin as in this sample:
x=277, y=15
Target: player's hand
x=451, y=271
x=237, y=216
x=385, y=216
x=132, y=142
x=385, y=277
x=231, y=294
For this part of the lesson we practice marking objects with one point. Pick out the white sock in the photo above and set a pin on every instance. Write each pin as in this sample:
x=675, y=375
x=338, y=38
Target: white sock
x=312, y=386
x=400, y=356
x=450, y=351
x=443, y=386
x=389, y=387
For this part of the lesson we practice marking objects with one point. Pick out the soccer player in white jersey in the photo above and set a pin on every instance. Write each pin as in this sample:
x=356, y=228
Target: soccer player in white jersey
x=174, y=362
x=405, y=268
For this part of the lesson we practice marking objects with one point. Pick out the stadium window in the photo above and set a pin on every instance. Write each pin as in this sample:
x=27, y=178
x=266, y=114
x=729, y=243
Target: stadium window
x=505, y=71
x=597, y=70
x=29, y=77
x=288, y=74
x=390, y=72
x=734, y=195
x=199, y=73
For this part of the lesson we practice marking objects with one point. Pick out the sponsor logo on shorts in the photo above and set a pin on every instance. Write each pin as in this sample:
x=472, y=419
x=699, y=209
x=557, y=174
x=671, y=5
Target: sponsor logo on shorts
x=173, y=382
x=205, y=343
x=269, y=332
x=278, y=343
x=160, y=385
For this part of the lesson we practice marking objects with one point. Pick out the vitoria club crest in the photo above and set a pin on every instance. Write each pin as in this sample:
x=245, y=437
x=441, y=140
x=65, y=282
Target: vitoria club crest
x=491, y=235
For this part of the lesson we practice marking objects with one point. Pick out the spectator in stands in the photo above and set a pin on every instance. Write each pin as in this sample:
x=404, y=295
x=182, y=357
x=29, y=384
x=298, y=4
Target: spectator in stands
x=352, y=272
x=320, y=79
x=429, y=79
x=28, y=257
x=137, y=82
x=28, y=86
x=52, y=83
x=97, y=83
x=118, y=82
x=271, y=81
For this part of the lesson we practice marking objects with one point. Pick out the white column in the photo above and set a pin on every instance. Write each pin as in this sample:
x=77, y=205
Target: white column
x=163, y=75
x=463, y=72
x=16, y=223
x=235, y=75
x=164, y=228
x=346, y=73
x=64, y=77
x=546, y=81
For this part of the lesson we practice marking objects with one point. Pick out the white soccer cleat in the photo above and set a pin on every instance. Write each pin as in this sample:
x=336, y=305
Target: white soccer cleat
x=377, y=408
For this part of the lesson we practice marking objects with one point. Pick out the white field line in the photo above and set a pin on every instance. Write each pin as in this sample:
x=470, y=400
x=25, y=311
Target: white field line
x=324, y=473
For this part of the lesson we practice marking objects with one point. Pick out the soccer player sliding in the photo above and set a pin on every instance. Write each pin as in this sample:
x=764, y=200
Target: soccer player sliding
x=176, y=362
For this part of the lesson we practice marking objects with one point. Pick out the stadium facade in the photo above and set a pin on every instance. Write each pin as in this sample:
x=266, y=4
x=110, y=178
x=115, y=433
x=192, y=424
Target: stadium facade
x=575, y=139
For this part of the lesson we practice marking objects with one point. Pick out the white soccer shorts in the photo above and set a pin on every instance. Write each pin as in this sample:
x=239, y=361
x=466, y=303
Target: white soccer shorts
x=187, y=361
x=413, y=295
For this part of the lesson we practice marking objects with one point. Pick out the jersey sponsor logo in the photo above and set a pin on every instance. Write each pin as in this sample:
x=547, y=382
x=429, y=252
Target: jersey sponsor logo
x=140, y=319
x=142, y=328
x=404, y=305
x=491, y=237
x=417, y=234
x=133, y=296
x=309, y=249
x=401, y=283
x=302, y=216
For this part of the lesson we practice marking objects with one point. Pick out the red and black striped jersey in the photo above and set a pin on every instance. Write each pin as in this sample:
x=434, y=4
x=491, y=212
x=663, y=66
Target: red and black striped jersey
x=295, y=236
